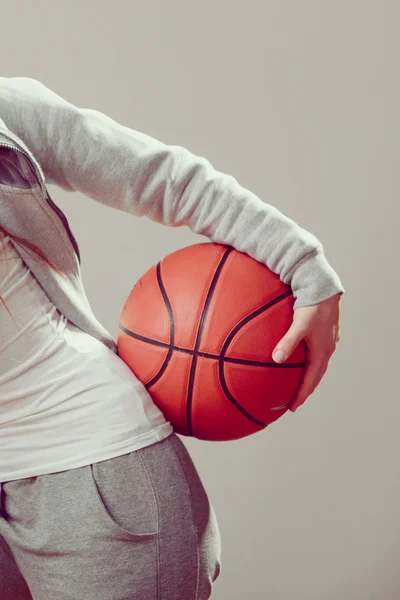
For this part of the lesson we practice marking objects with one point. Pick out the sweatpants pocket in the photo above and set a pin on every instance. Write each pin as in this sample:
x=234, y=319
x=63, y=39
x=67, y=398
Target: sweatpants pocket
x=124, y=497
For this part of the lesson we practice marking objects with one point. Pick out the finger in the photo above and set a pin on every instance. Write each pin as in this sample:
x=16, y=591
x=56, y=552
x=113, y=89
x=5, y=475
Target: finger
x=311, y=379
x=336, y=334
x=306, y=390
x=287, y=345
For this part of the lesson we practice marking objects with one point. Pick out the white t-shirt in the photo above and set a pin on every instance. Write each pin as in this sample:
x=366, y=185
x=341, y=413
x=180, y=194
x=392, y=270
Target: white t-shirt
x=66, y=400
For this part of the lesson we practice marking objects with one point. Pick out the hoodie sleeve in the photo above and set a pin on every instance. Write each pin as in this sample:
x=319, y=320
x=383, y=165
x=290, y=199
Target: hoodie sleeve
x=84, y=150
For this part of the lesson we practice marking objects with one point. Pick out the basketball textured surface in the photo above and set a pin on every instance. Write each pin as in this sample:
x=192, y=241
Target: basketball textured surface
x=198, y=330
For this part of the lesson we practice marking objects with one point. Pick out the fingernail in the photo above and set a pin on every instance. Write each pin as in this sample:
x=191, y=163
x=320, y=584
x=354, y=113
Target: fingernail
x=279, y=356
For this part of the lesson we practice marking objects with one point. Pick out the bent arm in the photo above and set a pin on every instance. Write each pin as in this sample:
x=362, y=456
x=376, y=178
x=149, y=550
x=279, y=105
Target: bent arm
x=81, y=149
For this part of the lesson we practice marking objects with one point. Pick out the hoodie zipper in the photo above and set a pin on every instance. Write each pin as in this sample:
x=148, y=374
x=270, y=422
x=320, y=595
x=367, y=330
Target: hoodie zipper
x=47, y=197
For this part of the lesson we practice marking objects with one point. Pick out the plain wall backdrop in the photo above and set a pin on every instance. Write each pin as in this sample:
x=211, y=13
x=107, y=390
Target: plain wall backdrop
x=299, y=100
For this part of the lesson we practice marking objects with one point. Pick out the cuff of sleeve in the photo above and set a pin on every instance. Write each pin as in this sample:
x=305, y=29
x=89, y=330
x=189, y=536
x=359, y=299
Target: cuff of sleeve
x=314, y=280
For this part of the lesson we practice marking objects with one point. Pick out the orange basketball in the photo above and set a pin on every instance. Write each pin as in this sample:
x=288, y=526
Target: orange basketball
x=198, y=330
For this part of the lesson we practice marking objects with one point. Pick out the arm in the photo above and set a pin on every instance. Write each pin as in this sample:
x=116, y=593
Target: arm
x=81, y=149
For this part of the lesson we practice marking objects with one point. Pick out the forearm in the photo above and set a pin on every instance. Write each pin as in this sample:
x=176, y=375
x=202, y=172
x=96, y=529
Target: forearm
x=84, y=150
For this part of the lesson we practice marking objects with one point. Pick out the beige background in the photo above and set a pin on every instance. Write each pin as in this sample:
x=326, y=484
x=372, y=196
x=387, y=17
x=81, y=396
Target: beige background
x=299, y=101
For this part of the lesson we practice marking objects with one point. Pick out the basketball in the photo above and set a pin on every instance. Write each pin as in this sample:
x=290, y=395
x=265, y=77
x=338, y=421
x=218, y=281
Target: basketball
x=198, y=330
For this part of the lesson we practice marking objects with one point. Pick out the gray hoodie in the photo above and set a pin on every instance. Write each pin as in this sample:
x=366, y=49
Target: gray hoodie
x=45, y=138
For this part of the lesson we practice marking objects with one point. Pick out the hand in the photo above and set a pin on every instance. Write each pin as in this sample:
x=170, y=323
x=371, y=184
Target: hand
x=318, y=325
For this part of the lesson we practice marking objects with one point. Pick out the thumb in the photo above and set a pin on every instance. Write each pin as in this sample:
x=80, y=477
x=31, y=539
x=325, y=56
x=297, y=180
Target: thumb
x=287, y=345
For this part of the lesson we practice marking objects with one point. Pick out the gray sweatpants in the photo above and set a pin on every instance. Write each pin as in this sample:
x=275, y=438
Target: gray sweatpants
x=139, y=526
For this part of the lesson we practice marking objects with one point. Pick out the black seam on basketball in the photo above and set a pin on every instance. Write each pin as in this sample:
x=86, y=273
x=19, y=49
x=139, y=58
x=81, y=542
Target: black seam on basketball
x=172, y=329
x=222, y=358
x=251, y=316
x=228, y=359
x=228, y=340
x=210, y=293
